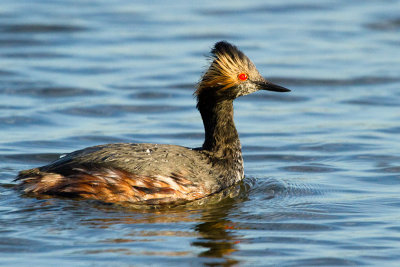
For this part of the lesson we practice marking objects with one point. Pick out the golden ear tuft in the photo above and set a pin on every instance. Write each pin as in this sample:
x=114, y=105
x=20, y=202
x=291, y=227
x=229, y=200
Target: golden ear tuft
x=229, y=67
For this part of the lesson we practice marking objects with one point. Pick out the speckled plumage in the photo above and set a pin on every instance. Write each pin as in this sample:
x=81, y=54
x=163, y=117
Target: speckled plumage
x=159, y=174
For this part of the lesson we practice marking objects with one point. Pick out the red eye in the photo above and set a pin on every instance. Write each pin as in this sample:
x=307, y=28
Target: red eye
x=242, y=76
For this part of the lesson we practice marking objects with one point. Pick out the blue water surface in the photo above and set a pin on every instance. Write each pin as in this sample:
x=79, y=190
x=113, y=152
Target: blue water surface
x=322, y=162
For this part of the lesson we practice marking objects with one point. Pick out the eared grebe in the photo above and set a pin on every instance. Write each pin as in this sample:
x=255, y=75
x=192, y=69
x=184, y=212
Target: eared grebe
x=160, y=174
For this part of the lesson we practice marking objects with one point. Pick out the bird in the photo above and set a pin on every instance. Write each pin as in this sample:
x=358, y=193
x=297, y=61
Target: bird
x=160, y=174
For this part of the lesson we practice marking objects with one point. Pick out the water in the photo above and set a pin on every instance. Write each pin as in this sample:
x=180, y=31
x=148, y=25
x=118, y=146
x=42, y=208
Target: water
x=322, y=162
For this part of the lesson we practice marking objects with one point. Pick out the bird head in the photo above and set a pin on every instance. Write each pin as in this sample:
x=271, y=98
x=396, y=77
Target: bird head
x=232, y=74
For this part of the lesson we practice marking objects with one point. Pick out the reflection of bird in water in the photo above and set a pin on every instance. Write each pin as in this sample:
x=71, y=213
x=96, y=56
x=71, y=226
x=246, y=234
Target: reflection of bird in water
x=159, y=174
x=202, y=227
x=218, y=235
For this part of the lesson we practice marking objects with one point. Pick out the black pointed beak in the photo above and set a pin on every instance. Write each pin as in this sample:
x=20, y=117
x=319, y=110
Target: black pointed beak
x=266, y=85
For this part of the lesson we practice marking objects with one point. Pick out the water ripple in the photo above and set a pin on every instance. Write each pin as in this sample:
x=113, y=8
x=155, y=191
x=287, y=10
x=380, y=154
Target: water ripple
x=337, y=83
x=315, y=168
x=374, y=101
x=117, y=110
x=55, y=92
x=285, y=158
x=39, y=28
x=22, y=121
x=385, y=24
x=282, y=8
x=30, y=158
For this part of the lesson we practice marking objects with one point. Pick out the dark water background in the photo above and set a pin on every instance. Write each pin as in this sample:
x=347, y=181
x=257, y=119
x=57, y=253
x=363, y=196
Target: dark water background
x=322, y=162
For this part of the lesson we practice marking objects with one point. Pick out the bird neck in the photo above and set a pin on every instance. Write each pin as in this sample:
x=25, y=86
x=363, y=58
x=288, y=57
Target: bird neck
x=221, y=137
